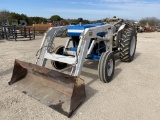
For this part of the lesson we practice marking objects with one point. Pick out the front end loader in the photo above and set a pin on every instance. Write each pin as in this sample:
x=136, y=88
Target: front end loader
x=63, y=92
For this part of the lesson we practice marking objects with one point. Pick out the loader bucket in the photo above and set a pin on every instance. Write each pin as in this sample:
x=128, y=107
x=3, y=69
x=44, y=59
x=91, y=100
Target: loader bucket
x=59, y=91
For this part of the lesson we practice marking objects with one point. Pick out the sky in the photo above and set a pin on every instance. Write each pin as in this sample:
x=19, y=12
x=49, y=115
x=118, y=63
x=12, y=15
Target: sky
x=87, y=9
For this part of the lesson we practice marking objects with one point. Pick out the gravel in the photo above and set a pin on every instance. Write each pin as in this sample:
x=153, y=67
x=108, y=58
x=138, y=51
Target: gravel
x=133, y=94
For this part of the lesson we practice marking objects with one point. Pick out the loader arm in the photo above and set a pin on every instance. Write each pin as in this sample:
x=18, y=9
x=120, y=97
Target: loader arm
x=47, y=41
x=83, y=49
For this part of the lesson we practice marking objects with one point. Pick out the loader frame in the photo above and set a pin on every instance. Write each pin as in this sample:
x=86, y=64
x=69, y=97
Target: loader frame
x=84, y=48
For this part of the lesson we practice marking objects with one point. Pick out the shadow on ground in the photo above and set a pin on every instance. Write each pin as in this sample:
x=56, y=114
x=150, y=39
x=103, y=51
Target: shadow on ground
x=1, y=41
x=136, y=55
x=6, y=72
x=90, y=92
x=19, y=40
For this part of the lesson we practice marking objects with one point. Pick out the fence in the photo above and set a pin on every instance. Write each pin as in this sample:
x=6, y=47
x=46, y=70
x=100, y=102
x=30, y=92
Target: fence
x=15, y=32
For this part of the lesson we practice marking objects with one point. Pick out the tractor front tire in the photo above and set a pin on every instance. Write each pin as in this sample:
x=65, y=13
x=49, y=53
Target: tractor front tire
x=128, y=45
x=106, y=67
x=58, y=65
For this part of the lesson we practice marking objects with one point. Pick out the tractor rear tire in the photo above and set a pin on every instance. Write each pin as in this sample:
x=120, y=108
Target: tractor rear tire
x=59, y=65
x=128, y=45
x=106, y=67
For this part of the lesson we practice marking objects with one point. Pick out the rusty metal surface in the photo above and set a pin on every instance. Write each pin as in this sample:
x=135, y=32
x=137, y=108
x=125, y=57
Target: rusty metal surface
x=59, y=91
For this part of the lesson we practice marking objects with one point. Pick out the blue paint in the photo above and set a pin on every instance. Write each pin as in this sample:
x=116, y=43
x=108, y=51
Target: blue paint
x=94, y=57
x=73, y=49
x=82, y=28
x=98, y=48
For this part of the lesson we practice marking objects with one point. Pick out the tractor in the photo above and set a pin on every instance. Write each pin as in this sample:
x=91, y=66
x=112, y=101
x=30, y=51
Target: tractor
x=65, y=92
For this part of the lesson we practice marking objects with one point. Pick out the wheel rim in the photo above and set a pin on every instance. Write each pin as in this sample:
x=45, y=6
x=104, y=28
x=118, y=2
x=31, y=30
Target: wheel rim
x=133, y=45
x=110, y=67
x=56, y=64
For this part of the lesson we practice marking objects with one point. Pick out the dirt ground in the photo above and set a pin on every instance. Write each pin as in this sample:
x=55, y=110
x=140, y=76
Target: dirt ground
x=133, y=94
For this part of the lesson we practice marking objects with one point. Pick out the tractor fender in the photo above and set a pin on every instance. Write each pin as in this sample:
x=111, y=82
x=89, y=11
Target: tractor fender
x=121, y=28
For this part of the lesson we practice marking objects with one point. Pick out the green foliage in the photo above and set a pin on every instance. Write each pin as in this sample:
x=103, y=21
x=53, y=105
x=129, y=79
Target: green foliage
x=152, y=21
x=55, y=18
x=4, y=15
x=7, y=17
x=86, y=22
x=37, y=20
x=143, y=22
x=25, y=17
x=75, y=21
x=15, y=16
x=19, y=17
x=129, y=21
x=12, y=16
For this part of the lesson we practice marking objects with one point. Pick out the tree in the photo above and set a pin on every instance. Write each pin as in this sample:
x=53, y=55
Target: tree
x=10, y=17
x=152, y=21
x=75, y=21
x=4, y=15
x=86, y=22
x=18, y=17
x=25, y=17
x=129, y=21
x=15, y=16
x=37, y=20
x=143, y=22
x=55, y=18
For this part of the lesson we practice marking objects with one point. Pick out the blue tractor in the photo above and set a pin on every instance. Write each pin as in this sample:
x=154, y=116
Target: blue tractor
x=102, y=46
x=63, y=92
